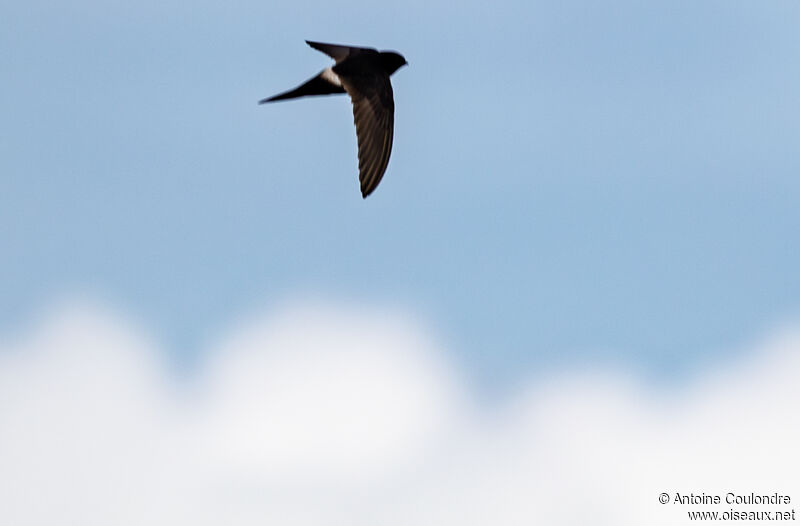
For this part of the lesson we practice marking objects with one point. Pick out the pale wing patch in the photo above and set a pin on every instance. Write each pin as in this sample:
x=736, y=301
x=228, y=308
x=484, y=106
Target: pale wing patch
x=331, y=77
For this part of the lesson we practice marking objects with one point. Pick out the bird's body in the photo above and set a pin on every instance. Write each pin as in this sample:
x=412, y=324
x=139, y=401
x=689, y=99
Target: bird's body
x=362, y=73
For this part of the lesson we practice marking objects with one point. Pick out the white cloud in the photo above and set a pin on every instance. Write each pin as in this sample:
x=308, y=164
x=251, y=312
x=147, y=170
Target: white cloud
x=329, y=414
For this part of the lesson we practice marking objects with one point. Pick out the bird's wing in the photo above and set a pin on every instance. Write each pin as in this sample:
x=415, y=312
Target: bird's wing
x=338, y=52
x=373, y=113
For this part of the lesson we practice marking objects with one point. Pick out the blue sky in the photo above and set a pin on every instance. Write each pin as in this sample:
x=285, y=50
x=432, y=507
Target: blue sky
x=571, y=182
x=575, y=289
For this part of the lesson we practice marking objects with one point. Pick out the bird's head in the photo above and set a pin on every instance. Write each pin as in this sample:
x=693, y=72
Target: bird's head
x=392, y=61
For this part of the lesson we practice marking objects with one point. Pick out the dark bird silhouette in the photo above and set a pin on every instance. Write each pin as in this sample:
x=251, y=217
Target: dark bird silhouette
x=363, y=73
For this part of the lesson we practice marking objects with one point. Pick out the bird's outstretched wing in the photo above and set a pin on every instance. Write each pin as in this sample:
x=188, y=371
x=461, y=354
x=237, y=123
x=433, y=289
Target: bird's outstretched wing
x=338, y=52
x=373, y=113
x=363, y=77
x=319, y=85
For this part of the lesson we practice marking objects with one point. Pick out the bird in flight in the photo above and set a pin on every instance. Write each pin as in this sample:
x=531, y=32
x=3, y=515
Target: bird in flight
x=363, y=73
